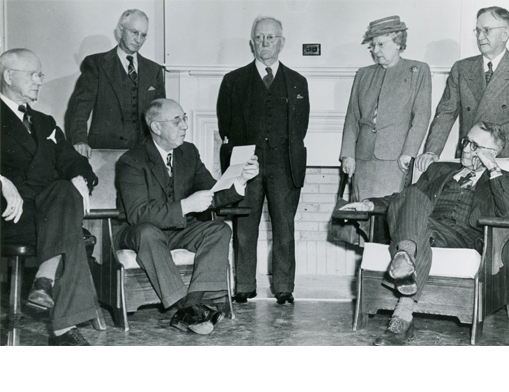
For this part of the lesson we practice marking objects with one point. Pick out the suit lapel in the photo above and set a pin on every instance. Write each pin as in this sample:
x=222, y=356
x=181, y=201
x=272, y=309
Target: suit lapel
x=143, y=81
x=111, y=66
x=475, y=78
x=499, y=82
x=14, y=128
x=158, y=167
x=291, y=90
x=243, y=87
x=442, y=179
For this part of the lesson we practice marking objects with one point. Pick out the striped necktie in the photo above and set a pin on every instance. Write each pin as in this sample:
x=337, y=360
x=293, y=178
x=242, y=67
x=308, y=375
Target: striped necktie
x=489, y=73
x=267, y=79
x=27, y=119
x=169, y=164
x=132, y=71
x=466, y=181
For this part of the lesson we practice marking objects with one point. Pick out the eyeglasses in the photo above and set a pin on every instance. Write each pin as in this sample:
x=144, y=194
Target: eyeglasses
x=176, y=122
x=137, y=33
x=33, y=74
x=270, y=38
x=486, y=30
x=473, y=145
x=372, y=46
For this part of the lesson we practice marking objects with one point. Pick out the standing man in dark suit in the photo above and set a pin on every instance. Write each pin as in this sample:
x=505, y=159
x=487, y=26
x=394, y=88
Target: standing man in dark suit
x=117, y=86
x=163, y=184
x=54, y=182
x=267, y=104
x=477, y=88
x=440, y=210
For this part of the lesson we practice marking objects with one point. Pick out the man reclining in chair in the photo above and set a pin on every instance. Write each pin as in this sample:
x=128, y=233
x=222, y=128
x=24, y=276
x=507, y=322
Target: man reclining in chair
x=162, y=184
x=440, y=210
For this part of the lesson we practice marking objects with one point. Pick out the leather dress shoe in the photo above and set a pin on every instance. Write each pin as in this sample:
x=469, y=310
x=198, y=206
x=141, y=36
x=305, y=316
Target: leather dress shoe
x=41, y=294
x=398, y=333
x=241, y=297
x=402, y=270
x=200, y=319
x=70, y=338
x=284, y=297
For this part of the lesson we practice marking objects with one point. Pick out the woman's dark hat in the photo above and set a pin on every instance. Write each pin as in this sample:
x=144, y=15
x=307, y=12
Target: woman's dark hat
x=383, y=26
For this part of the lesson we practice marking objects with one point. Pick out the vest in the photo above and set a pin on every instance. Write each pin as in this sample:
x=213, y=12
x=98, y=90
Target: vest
x=454, y=203
x=130, y=109
x=269, y=111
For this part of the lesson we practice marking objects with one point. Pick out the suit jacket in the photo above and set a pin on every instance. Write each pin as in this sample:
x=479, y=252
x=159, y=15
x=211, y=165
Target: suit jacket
x=233, y=113
x=145, y=186
x=490, y=195
x=99, y=88
x=33, y=166
x=403, y=111
x=467, y=95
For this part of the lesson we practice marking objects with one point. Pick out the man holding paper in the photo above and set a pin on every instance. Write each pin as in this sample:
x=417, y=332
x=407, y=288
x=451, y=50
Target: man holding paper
x=266, y=104
x=163, y=185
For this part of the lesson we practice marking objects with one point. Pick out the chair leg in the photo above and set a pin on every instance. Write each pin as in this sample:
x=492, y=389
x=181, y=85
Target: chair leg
x=15, y=301
x=120, y=310
x=476, y=319
x=99, y=323
x=360, y=318
x=230, y=294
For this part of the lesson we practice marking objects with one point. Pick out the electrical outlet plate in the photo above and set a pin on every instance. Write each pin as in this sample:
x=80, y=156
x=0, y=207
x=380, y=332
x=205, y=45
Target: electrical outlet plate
x=311, y=49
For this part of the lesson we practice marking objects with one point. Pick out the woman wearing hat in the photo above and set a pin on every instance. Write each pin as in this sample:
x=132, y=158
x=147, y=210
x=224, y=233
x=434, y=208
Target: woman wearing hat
x=388, y=114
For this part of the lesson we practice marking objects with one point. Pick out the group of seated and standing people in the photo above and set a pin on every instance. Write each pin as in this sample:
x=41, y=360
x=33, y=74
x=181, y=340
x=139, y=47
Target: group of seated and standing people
x=40, y=167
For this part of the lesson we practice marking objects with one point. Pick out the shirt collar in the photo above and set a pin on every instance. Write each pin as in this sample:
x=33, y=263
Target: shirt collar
x=123, y=58
x=494, y=62
x=163, y=152
x=13, y=106
x=261, y=68
x=463, y=172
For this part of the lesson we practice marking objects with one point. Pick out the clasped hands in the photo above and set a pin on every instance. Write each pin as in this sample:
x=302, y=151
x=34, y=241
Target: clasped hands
x=201, y=200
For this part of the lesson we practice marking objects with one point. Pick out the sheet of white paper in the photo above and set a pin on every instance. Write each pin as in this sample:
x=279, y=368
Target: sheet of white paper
x=239, y=158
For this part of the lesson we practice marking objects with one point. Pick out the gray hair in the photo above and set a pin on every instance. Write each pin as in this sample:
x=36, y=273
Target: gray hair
x=260, y=18
x=153, y=110
x=9, y=56
x=128, y=13
x=496, y=131
x=497, y=12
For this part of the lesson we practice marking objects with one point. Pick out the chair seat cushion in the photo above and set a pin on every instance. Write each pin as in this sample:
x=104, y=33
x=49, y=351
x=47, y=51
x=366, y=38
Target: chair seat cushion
x=127, y=257
x=449, y=262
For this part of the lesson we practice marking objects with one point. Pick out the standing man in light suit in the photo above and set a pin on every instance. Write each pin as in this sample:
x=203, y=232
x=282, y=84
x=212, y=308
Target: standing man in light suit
x=267, y=104
x=477, y=88
x=117, y=86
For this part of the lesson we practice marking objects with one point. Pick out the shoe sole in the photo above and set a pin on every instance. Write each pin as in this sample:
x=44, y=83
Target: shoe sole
x=204, y=328
x=40, y=300
x=398, y=261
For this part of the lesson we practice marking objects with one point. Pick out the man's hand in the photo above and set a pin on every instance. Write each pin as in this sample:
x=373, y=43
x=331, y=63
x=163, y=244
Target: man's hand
x=487, y=158
x=348, y=164
x=14, y=207
x=84, y=149
x=250, y=170
x=81, y=185
x=359, y=206
x=404, y=162
x=424, y=160
x=197, y=202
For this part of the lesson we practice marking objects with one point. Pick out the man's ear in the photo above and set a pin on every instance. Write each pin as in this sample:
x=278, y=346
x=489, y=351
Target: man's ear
x=155, y=127
x=6, y=77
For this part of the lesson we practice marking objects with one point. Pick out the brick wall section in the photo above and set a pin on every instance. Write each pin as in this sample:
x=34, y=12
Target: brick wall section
x=315, y=253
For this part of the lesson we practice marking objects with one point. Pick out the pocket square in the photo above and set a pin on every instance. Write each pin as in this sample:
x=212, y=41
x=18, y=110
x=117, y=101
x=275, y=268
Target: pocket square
x=53, y=136
x=299, y=96
x=151, y=88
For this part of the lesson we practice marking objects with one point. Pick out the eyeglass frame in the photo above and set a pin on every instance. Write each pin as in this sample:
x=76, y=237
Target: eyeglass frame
x=33, y=74
x=135, y=32
x=487, y=30
x=270, y=38
x=373, y=45
x=175, y=122
x=474, y=146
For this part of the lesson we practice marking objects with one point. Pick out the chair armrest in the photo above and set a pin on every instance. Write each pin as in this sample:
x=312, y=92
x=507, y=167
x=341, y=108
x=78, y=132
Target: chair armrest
x=102, y=213
x=493, y=221
x=239, y=211
x=355, y=215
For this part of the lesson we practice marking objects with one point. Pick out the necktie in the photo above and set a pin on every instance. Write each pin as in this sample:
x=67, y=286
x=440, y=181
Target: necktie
x=267, y=79
x=170, y=166
x=131, y=70
x=466, y=181
x=27, y=120
x=489, y=73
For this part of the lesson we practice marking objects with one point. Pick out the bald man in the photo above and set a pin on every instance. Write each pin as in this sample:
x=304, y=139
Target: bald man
x=54, y=182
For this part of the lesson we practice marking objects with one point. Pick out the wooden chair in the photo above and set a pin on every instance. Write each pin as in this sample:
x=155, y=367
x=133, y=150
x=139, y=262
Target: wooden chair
x=120, y=282
x=462, y=283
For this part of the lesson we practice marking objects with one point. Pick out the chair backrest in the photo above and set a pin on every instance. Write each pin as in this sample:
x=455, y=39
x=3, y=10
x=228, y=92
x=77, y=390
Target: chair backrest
x=103, y=163
x=502, y=162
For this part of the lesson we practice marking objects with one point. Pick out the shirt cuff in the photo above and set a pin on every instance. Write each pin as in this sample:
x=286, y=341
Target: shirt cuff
x=240, y=189
x=495, y=173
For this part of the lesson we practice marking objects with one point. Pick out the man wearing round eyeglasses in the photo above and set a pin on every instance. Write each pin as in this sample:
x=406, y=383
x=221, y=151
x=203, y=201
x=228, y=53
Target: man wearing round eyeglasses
x=53, y=182
x=116, y=86
x=163, y=185
x=477, y=88
x=266, y=104
x=441, y=210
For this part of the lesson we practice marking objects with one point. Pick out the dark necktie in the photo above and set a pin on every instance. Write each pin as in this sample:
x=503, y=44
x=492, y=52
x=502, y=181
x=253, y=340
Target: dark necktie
x=466, y=181
x=27, y=120
x=267, y=79
x=131, y=70
x=489, y=73
x=170, y=166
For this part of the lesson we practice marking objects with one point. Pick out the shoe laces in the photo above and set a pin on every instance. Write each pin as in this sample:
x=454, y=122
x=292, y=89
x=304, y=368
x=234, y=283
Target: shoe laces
x=78, y=338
